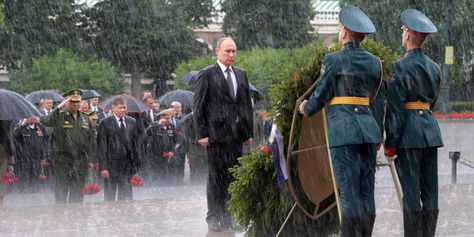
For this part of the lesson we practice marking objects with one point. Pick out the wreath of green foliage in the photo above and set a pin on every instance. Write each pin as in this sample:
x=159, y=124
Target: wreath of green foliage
x=258, y=203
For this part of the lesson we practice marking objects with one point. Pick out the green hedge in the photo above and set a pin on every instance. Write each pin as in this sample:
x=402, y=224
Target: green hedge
x=459, y=106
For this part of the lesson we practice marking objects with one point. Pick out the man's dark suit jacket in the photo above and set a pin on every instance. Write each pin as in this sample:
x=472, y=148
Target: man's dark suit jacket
x=118, y=150
x=217, y=114
x=145, y=118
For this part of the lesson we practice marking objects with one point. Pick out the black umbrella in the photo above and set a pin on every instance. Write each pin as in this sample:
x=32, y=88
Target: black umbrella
x=36, y=96
x=134, y=105
x=14, y=106
x=89, y=94
x=190, y=77
x=182, y=96
x=256, y=95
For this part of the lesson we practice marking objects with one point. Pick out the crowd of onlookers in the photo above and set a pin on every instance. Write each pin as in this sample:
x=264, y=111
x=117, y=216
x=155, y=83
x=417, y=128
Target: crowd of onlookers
x=167, y=140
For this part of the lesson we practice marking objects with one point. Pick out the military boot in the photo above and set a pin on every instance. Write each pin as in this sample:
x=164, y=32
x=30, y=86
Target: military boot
x=412, y=223
x=367, y=225
x=351, y=227
x=429, y=225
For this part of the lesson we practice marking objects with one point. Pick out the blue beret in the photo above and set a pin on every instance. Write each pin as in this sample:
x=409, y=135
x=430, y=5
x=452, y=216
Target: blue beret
x=417, y=21
x=356, y=20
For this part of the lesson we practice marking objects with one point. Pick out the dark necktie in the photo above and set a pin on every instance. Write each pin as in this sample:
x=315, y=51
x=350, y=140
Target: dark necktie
x=229, y=82
x=122, y=124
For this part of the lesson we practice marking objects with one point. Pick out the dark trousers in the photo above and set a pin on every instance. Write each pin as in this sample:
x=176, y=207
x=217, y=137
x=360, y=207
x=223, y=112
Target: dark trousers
x=418, y=173
x=29, y=172
x=178, y=168
x=198, y=168
x=354, y=167
x=221, y=157
x=119, y=183
x=69, y=183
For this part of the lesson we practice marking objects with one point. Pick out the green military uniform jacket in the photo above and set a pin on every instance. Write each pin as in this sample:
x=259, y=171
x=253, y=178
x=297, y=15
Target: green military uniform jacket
x=350, y=72
x=414, y=78
x=73, y=142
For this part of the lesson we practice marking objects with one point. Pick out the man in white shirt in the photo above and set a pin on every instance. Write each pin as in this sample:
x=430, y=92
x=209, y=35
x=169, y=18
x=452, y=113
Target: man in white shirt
x=94, y=105
x=46, y=105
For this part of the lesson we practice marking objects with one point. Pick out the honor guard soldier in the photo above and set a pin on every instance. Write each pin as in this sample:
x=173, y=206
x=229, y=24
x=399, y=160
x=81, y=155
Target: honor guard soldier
x=160, y=142
x=413, y=134
x=73, y=146
x=349, y=81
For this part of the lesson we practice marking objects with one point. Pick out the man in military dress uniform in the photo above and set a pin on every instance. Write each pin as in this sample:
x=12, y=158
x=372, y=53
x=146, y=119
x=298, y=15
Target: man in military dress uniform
x=349, y=82
x=73, y=147
x=160, y=142
x=32, y=150
x=412, y=132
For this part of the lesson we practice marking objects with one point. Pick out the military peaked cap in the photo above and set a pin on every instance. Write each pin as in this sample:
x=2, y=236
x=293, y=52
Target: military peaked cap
x=356, y=20
x=93, y=115
x=417, y=21
x=73, y=95
x=167, y=113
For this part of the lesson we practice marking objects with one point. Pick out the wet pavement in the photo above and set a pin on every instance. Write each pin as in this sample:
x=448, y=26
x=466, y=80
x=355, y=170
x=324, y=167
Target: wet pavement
x=180, y=212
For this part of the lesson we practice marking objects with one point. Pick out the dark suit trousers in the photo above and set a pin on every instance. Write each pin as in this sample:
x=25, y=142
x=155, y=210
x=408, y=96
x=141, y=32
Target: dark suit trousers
x=221, y=157
x=120, y=182
x=354, y=167
x=70, y=183
x=418, y=173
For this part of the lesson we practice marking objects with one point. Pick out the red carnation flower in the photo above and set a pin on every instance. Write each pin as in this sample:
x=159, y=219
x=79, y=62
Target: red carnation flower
x=164, y=155
x=390, y=152
x=45, y=163
x=9, y=178
x=42, y=177
x=266, y=150
x=90, y=189
x=136, y=181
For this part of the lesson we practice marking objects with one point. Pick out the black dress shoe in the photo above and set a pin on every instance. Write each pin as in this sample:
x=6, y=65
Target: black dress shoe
x=214, y=227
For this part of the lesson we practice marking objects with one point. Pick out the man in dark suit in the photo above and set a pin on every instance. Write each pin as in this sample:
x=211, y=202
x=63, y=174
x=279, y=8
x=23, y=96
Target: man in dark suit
x=223, y=117
x=349, y=81
x=94, y=105
x=182, y=143
x=412, y=131
x=149, y=116
x=117, y=153
x=46, y=105
x=104, y=114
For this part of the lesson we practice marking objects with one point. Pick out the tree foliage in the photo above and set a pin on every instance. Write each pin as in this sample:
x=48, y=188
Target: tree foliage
x=268, y=23
x=66, y=70
x=35, y=28
x=195, y=12
x=386, y=16
x=144, y=37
